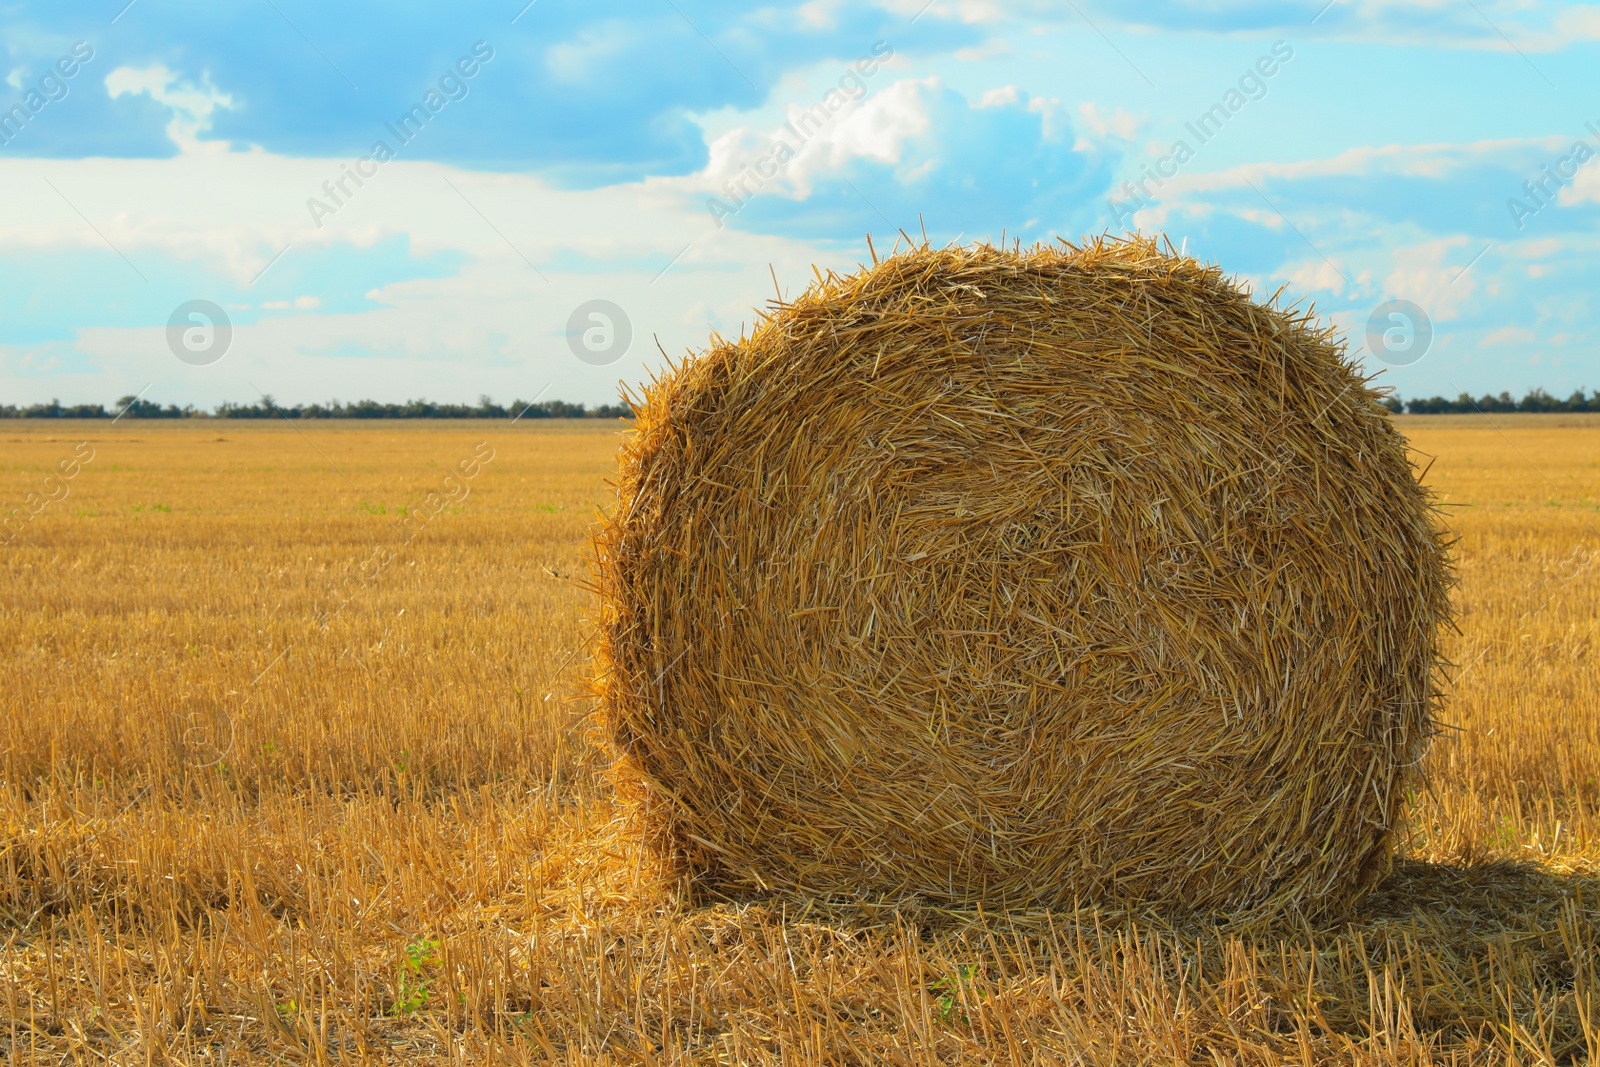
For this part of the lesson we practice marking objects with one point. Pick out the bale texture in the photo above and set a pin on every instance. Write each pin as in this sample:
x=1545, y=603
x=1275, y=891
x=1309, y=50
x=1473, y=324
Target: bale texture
x=1022, y=578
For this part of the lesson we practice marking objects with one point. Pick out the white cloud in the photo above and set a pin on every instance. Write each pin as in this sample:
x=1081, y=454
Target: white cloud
x=592, y=55
x=1422, y=275
x=191, y=106
x=1192, y=191
x=1579, y=22
x=493, y=325
x=1317, y=274
x=1507, y=335
x=993, y=48
x=968, y=11
x=819, y=14
x=1118, y=123
x=1435, y=160
x=1585, y=187
x=1100, y=125
x=1540, y=248
x=874, y=128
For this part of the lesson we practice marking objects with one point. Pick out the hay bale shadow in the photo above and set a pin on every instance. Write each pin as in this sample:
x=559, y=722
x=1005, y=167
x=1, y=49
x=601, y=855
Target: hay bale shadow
x=1483, y=898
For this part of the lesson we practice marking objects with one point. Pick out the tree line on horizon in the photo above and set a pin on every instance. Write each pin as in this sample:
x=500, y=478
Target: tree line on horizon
x=268, y=408
x=1536, y=400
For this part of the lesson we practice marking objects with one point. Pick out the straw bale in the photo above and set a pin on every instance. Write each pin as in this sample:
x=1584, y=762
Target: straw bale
x=1022, y=577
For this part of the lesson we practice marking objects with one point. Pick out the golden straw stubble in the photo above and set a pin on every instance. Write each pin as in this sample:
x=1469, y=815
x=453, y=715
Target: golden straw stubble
x=1022, y=577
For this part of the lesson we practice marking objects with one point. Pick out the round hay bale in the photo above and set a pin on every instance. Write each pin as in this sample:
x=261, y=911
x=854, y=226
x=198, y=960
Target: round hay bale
x=1022, y=577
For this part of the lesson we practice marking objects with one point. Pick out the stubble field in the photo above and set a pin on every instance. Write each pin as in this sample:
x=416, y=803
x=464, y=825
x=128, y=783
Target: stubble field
x=294, y=765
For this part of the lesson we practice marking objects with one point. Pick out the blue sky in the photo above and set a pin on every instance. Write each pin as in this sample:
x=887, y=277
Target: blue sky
x=675, y=158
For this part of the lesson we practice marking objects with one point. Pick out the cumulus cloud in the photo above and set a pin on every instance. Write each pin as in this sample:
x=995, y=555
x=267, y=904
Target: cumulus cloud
x=817, y=139
x=1316, y=275
x=1430, y=274
x=1579, y=23
x=193, y=107
x=913, y=153
x=1115, y=124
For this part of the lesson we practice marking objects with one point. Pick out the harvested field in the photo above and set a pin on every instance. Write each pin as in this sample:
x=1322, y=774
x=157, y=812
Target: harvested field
x=288, y=774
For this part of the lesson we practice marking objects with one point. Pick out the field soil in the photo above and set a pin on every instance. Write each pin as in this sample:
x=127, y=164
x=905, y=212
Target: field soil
x=296, y=765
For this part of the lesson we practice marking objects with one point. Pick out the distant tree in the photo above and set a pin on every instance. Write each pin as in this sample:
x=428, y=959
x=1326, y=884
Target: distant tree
x=1536, y=400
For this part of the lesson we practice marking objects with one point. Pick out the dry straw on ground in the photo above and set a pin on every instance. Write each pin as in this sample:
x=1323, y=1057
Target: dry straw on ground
x=1023, y=577
x=402, y=852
